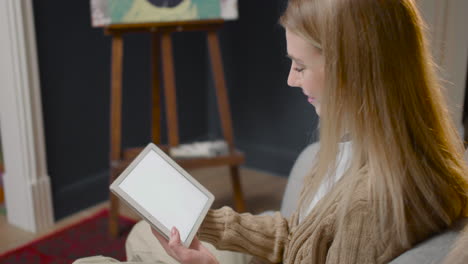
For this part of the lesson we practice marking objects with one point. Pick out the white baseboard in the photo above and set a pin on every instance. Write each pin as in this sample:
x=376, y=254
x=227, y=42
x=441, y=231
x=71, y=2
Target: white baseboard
x=32, y=212
x=41, y=196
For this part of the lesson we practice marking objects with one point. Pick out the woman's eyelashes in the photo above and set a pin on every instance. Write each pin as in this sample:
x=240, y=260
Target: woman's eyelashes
x=298, y=69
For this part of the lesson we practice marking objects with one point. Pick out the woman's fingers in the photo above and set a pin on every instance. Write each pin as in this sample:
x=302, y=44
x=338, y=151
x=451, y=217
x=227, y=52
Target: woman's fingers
x=182, y=254
x=196, y=244
x=176, y=245
x=197, y=253
x=162, y=240
x=172, y=247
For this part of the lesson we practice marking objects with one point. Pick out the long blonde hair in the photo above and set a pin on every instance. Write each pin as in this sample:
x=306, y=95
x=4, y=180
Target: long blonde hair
x=381, y=89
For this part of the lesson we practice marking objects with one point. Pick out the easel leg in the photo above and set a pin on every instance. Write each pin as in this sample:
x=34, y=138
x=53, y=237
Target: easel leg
x=156, y=96
x=225, y=114
x=238, y=196
x=114, y=211
x=170, y=89
x=115, y=127
x=220, y=85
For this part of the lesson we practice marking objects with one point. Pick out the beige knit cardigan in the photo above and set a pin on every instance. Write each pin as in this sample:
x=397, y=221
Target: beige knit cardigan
x=276, y=239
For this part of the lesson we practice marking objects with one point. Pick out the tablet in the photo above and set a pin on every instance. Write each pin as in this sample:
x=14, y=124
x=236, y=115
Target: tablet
x=163, y=194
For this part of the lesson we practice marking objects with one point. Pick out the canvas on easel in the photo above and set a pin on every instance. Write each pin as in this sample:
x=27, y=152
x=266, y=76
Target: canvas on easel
x=109, y=12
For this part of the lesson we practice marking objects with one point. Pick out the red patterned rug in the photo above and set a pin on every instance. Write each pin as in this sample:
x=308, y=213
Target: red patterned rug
x=86, y=238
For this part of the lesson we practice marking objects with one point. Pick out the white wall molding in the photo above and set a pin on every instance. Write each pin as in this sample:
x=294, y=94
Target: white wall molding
x=447, y=22
x=27, y=185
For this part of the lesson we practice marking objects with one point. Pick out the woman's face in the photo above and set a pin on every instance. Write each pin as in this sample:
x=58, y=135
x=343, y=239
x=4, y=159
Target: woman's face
x=307, y=68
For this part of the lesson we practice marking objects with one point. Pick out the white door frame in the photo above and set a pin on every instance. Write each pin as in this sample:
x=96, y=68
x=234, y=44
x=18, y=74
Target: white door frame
x=26, y=183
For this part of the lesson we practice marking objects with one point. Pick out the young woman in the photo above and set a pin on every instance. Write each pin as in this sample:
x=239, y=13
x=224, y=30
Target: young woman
x=365, y=66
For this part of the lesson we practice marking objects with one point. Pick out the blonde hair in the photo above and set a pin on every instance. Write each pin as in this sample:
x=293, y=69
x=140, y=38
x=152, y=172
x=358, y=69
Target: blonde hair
x=381, y=89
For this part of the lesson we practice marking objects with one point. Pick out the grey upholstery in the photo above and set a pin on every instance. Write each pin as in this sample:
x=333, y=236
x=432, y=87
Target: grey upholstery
x=301, y=167
x=432, y=250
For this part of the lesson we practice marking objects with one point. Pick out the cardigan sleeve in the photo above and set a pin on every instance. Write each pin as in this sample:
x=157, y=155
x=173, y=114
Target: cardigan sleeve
x=263, y=236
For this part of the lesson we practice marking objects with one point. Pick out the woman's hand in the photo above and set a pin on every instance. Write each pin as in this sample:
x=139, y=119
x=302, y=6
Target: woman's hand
x=195, y=254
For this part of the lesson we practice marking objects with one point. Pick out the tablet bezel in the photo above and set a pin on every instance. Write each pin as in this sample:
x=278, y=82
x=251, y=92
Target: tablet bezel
x=114, y=187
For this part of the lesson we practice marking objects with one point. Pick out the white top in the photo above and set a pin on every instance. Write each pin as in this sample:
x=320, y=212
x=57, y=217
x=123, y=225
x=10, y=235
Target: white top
x=343, y=160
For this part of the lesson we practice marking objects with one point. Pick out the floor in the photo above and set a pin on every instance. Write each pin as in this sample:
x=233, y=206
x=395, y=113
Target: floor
x=262, y=192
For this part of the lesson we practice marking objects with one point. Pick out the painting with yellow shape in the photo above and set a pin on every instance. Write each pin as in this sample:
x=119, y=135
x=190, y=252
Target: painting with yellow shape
x=107, y=12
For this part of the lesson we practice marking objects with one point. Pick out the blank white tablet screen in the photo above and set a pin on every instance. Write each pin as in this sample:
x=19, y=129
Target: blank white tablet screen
x=165, y=193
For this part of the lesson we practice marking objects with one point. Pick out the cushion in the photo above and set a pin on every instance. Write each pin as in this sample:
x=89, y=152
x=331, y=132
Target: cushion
x=301, y=167
x=434, y=249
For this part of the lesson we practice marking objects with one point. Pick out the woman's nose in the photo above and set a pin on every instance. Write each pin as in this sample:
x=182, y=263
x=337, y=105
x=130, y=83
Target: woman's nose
x=292, y=79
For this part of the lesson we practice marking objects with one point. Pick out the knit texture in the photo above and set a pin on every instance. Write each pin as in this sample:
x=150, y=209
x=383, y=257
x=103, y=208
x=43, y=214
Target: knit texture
x=314, y=240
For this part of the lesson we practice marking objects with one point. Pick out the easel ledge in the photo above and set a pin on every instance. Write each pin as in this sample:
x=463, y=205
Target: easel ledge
x=171, y=26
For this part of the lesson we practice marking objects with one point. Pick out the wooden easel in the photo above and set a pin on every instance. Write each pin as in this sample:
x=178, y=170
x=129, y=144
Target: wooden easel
x=161, y=39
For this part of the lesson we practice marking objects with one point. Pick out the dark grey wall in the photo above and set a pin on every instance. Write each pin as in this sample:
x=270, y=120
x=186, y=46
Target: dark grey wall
x=272, y=122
